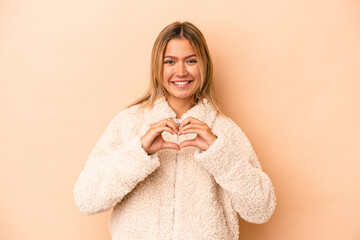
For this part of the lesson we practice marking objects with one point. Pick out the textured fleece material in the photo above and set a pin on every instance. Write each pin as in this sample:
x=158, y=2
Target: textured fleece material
x=174, y=194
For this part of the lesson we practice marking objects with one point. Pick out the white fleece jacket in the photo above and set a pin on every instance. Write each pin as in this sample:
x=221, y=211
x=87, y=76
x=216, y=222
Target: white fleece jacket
x=174, y=194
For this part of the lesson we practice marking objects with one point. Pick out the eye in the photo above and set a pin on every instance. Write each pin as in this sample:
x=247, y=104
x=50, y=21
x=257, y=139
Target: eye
x=169, y=62
x=192, y=61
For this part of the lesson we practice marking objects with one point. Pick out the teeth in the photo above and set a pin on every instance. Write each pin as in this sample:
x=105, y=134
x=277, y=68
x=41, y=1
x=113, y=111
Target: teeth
x=181, y=83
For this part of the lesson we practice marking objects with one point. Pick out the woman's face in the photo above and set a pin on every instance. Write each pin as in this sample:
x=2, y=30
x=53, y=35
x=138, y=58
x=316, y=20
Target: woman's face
x=181, y=72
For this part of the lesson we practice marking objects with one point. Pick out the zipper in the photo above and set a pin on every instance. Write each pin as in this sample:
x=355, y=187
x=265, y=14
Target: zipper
x=177, y=136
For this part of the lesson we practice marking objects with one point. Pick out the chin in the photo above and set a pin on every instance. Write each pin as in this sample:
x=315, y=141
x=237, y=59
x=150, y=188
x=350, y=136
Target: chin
x=182, y=95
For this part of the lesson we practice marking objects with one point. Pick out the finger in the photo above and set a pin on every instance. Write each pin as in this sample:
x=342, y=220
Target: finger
x=168, y=122
x=189, y=120
x=192, y=125
x=173, y=124
x=173, y=121
x=170, y=145
x=187, y=143
x=161, y=129
x=198, y=131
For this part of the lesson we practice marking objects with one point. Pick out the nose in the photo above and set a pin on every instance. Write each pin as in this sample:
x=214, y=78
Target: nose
x=181, y=70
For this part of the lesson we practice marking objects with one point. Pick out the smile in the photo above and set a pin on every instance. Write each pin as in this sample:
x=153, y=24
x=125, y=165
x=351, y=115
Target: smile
x=181, y=84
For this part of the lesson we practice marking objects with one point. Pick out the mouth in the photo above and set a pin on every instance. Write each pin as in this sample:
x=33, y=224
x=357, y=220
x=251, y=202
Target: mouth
x=182, y=84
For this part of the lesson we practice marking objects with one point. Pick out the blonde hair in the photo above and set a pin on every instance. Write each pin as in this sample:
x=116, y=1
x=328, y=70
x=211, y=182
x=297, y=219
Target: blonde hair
x=156, y=90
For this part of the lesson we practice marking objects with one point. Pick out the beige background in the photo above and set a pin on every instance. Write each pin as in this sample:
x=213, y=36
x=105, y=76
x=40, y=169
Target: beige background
x=288, y=72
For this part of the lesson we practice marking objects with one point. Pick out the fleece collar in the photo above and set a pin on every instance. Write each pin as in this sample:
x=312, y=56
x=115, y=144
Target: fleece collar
x=205, y=112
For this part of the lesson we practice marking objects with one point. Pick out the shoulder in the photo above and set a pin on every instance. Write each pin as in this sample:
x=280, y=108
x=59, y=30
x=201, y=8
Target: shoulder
x=130, y=114
x=224, y=122
x=228, y=127
x=128, y=119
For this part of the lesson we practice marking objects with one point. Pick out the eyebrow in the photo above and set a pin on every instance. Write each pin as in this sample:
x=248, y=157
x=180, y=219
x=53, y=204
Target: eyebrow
x=168, y=56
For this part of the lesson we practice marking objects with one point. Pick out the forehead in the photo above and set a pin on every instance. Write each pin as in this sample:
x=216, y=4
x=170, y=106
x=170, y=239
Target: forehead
x=179, y=48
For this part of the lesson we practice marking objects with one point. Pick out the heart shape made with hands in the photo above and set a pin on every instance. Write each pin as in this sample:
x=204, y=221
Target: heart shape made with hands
x=171, y=138
x=153, y=140
x=202, y=138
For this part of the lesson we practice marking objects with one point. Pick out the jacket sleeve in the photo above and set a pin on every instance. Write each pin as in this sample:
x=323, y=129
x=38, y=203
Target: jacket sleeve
x=113, y=169
x=235, y=167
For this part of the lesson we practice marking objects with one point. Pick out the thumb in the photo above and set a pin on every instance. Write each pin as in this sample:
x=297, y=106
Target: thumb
x=171, y=145
x=187, y=143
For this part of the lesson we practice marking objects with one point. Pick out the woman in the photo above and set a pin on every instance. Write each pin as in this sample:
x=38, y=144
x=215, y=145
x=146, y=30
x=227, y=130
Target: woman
x=171, y=165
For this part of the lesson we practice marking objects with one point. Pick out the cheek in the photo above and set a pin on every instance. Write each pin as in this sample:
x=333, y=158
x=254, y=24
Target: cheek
x=195, y=72
x=167, y=73
x=197, y=76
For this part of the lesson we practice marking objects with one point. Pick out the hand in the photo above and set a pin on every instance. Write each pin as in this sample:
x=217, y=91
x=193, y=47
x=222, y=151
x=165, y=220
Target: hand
x=152, y=141
x=205, y=137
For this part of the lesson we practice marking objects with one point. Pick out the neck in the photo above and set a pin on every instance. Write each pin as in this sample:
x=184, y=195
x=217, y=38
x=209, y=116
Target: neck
x=180, y=106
